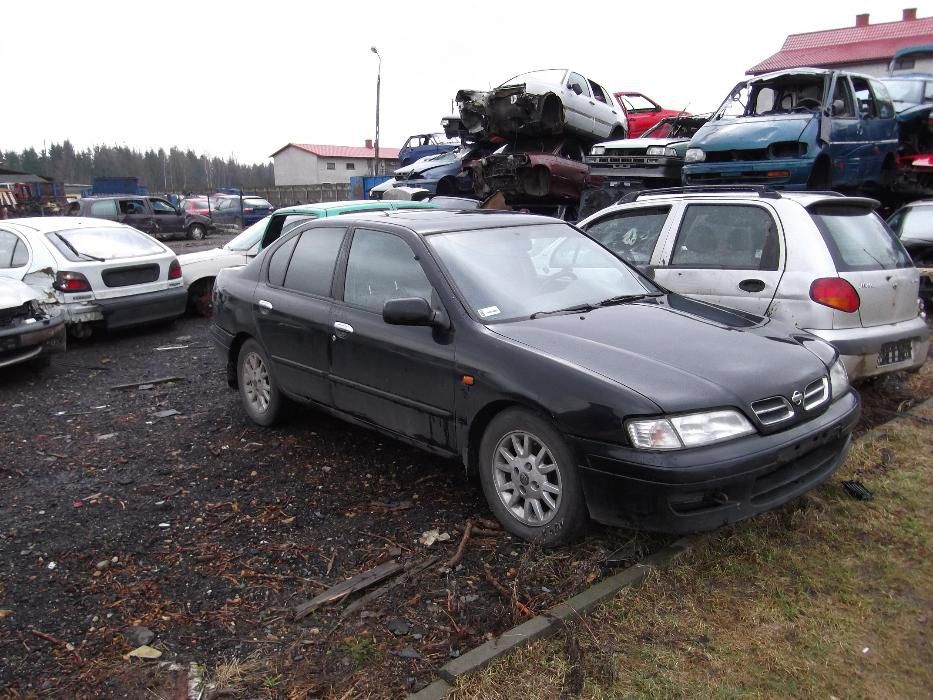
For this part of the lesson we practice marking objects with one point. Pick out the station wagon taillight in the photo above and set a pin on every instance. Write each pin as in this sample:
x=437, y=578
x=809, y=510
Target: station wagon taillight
x=174, y=270
x=835, y=293
x=71, y=282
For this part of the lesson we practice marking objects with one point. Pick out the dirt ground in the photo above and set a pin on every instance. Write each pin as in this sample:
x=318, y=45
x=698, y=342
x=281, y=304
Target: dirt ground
x=208, y=531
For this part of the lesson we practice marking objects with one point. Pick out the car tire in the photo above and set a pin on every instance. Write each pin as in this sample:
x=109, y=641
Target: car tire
x=197, y=232
x=261, y=398
x=521, y=452
x=201, y=297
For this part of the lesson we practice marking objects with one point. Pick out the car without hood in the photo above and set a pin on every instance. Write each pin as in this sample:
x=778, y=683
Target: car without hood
x=29, y=331
x=542, y=103
x=912, y=94
x=552, y=169
x=572, y=385
x=798, y=129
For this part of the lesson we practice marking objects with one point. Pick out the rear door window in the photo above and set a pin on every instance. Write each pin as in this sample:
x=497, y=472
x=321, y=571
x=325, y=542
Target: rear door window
x=311, y=269
x=104, y=209
x=278, y=263
x=631, y=234
x=727, y=237
x=858, y=239
x=13, y=252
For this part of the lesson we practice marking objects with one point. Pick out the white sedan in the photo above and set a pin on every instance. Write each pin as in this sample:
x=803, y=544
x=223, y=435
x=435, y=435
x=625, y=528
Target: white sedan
x=547, y=102
x=95, y=272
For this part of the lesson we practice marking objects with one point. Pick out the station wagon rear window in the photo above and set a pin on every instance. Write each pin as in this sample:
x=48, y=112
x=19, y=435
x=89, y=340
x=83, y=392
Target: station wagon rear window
x=108, y=243
x=858, y=239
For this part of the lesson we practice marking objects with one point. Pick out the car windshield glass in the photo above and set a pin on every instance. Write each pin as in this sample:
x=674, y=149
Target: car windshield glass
x=910, y=91
x=858, y=239
x=917, y=224
x=250, y=237
x=511, y=273
x=553, y=76
x=106, y=243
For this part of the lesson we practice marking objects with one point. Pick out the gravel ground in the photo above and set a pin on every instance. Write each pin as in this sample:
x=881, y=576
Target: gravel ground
x=161, y=506
x=208, y=530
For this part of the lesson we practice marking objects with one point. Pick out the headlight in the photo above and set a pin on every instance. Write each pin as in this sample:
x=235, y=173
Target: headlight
x=695, y=155
x=597, y=150
x=692, y=430
x=662, y=151
x=838, y=379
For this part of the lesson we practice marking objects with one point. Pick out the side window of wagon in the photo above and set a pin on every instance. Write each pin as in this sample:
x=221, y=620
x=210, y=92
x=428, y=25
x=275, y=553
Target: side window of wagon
x=727, y=237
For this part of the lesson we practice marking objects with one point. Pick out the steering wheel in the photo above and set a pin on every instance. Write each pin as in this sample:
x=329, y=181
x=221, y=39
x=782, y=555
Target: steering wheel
x=807, y=103
x=565, y=276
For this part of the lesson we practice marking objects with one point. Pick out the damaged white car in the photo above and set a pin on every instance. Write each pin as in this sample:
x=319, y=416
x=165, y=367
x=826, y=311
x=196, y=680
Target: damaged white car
x=543, y=102
x=29, y=330
x=96, y=272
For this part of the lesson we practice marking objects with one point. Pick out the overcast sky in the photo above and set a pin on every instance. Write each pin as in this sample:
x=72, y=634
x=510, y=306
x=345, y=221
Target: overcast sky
x=244, y=78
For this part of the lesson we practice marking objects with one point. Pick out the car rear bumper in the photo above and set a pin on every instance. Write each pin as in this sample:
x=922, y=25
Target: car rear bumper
x=28, y=341
x=859, y=347
x=752, y=173
x=139, y=309
x=701, y=489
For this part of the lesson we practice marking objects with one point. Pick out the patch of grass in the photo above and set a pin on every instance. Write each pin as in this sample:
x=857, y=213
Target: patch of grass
x=828, y=596
x=361, y=649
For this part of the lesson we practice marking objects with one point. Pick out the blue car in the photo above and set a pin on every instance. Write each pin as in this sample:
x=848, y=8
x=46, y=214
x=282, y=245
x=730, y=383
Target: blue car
x=227, y=211
x=420, y=145
x=443, y=173
x=799, y=129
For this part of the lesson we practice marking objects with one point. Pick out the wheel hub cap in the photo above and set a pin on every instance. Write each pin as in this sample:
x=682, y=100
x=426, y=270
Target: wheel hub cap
x=527, y=478
x=256, y=382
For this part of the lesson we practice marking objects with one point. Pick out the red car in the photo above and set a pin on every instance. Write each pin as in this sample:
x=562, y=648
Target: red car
x=550, y=169
x=197, y=205
x=643, y=112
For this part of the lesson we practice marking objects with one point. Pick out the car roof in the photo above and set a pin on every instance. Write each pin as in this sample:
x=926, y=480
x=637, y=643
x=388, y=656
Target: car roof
x=805, y=199
x=48, y=224
x=920, y=203
x=430, y=221
x=337, y=207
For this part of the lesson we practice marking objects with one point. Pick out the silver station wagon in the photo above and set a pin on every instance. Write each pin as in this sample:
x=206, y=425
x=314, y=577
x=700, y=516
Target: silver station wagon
x=825, y=263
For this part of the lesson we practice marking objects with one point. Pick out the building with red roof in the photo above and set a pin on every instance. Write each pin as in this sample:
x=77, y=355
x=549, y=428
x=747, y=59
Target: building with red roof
x=862, y=48
x=313, y=164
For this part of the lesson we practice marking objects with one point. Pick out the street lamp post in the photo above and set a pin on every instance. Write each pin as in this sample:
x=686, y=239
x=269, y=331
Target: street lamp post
x=378, y=89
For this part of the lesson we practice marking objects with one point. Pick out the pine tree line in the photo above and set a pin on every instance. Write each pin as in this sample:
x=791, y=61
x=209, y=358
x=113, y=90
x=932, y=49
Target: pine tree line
x=172, y=171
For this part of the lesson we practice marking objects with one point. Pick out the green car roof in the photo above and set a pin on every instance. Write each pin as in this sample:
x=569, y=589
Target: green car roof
x=334, y=208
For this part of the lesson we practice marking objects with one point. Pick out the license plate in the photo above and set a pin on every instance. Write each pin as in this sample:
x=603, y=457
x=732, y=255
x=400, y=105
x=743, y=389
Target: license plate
x=892, y=353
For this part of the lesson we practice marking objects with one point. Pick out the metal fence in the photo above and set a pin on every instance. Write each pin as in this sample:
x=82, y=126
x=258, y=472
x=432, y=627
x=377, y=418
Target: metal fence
x=287, y=195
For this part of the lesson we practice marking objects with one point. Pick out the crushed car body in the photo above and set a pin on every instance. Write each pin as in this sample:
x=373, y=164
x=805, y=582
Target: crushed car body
x=541, y=103
x=30, y=331
x=552, y=169
x=912, y=95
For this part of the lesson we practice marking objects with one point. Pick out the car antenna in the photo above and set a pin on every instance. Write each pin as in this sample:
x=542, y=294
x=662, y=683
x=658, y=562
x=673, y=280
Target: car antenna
x=679, y=115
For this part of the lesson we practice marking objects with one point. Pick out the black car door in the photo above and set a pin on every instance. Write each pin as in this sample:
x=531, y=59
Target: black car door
x=167, y=218
x=292, y=307
x=136, y=213
x=401, y=378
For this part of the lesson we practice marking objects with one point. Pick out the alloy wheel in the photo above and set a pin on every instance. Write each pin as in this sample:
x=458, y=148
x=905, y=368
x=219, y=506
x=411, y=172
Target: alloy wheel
x=527, y=478
x=256, y=387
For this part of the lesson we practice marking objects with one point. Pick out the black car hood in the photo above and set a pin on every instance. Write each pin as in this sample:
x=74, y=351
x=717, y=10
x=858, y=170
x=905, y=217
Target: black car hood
x=681, y=354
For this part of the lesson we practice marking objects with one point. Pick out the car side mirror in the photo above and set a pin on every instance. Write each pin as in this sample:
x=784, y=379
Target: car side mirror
x=413, y=311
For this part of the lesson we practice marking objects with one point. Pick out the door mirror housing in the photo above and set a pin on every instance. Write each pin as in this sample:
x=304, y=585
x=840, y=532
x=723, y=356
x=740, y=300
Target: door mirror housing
x=413, y=311
x=576, y=88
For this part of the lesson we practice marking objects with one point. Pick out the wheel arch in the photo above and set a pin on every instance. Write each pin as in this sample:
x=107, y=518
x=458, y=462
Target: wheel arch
x=481, y=421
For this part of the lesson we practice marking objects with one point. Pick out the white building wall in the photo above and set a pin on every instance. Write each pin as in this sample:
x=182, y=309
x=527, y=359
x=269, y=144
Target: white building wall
x=294, y=166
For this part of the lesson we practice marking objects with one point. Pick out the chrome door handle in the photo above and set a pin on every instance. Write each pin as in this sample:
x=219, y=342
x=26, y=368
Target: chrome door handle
x=343, y=327
x=264, y=305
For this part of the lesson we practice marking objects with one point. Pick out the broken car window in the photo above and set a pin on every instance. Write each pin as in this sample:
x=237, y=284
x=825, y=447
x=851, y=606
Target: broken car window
x=633, y=234
x=864, y=99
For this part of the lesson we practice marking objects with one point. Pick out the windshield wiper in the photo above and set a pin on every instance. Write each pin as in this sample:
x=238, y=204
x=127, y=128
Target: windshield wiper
x=579, y=308
x=624, y=299
x=75, y=250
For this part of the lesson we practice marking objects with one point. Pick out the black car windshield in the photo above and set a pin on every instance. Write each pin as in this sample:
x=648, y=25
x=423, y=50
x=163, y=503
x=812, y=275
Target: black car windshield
x=110, y=243
x=510, y=273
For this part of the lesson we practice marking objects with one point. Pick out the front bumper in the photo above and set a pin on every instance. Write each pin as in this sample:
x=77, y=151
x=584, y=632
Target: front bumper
x=27, y=341
x=859, y=347
x=139, y=309
x=704, y=488
x=752, y=173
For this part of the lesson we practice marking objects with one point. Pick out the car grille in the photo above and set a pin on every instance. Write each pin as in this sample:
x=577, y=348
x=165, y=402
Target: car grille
x=126, y=276
x=773, y=410
x=9, y=316
x=777, y=409
x=816, y=393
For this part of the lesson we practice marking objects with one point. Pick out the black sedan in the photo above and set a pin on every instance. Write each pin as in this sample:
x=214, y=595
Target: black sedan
x=573, y=385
